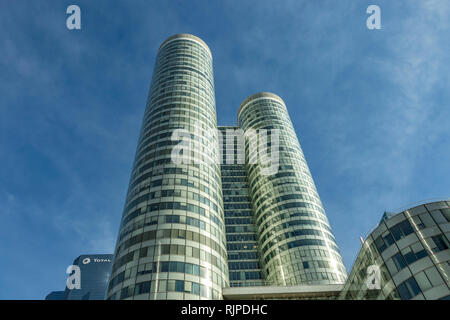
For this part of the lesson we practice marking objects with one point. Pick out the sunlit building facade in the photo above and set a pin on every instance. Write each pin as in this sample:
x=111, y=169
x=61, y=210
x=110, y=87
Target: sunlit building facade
x=190, y=229
x=171, y=242
x=296, y=243
x=406, y=257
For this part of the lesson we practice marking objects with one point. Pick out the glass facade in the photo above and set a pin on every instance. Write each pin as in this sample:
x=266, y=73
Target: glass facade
x=294, y=235
x=411, y=250
x=171, y=242
x=56, y=295
x=94, y=271
x=190, y=229
x=242, y=244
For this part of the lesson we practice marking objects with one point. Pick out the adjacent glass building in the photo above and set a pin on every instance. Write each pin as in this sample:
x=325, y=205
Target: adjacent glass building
x=94, y=270
x=407, y=255
x=193, y=224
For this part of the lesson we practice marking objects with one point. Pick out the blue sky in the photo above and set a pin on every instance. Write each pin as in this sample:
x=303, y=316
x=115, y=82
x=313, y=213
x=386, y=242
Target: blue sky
x=371, y=110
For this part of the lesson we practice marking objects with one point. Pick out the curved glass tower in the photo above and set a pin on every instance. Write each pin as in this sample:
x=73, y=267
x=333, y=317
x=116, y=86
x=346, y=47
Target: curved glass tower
x=406, y=257
x=171, y=243
x=296, y=242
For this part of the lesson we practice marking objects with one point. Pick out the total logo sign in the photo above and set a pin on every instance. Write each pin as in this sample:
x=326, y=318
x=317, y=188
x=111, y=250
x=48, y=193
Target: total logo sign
x=96, y=260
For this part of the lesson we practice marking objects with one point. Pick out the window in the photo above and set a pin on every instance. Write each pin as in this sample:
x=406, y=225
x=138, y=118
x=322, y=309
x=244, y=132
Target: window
x=423, y=281
x=438, y=216
x=195, y=270
x=401, y=230
x=126, y=292
x=188, y=268
x=419, y=222
x=195, y=288
x=399, y=261
x=156, y=183
x=441, y=243
x=170, y=285
x=388, y=239
x=410, y=257
x=379, y=243
x=179, y=285
x=446, y=214
x=408, y=289
x=204, y=291
x=434, y=276
x=165, y=249
x=164, y=267
x=305, y=265
x=143, y=287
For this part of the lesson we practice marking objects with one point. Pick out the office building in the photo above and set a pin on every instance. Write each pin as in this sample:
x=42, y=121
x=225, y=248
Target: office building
x=193, y=224
x=171, y=242
x=405, y=257
x=242, y=242
x=94, y=271
x=56, y=295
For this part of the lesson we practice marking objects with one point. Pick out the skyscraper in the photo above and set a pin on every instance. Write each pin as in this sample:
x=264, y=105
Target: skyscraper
x=191, y=228
x=296, y=242
x=171, y=243
x=94, y=271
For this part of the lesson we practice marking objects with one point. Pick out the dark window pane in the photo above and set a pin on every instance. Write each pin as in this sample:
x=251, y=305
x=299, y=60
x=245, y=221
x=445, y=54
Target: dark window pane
x=440, y=243
x=164, y=267
x=396, y=232
x=389, y=240
x=399, y=261
x=421, y=254
x=404, y=292
x=413, y=286
x=410, y=257
x=406, y=227
x=381, y=246
x=179, y=285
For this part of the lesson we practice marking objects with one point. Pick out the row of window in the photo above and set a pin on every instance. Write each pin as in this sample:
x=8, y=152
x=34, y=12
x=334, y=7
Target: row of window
x=403, y=229
x=300, y=232
x=294, y=244
x=167, y=286
x=238, y=213
x=169, y=233
x=167, y=266
x=241, y=237
x=173, y=206
x=154, y=220
x=245, y=275
x=230, y=221
x=243, y=265
x=397, y=232
x=243, y=255
x=240, y=229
